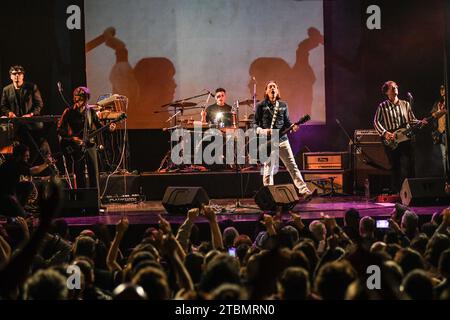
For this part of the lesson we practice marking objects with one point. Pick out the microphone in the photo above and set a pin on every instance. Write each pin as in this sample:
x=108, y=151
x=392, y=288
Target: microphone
x=409, y=95
x=59, y=86
x=254, y=79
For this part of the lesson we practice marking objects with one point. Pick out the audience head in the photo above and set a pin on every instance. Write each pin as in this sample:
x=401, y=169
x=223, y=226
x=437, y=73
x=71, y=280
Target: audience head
x=318, y=230
x=129, y=291
x=228, y=291
x=333, y=279
x=46, y=284
x=409, y=260
x=221, y=269
x=229, y=235
x=154, y=282
x=367, y=227
x=417, y=285
x=437, y=244
x=294, y=284
x=352, y=218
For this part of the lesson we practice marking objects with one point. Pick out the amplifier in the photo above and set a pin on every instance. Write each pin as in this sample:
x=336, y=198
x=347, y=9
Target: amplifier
x=325, y=160
x=366, y=136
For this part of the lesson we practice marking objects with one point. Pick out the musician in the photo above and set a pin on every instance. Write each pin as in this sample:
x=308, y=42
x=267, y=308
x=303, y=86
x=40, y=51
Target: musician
x=272, y=113
x=391, y=115
x=23, y=99
x=219, y=113
x=11, y=172
x=439, y=125
x=73, y=128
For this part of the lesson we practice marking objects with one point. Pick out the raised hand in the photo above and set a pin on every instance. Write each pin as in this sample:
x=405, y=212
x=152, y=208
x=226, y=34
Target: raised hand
x=193, y=214
x=122, y=225
x=164, y=225
x=209, y=213
x=297, y=219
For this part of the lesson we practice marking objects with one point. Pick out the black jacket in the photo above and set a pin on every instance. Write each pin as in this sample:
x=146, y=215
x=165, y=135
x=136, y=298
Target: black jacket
x=264, y=114
x=29, y=100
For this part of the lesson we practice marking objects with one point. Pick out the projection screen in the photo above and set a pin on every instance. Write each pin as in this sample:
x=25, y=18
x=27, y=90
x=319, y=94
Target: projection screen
x=155, y=52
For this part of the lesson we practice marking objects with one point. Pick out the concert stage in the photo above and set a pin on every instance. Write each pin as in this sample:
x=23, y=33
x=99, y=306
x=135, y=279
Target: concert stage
x=218, y=184
x=146, y=213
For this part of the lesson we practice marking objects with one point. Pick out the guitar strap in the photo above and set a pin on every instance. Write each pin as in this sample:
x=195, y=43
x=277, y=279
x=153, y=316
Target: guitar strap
x=275, y=113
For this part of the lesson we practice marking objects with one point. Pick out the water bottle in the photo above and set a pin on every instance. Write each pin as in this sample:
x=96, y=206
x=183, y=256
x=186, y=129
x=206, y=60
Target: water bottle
x=367, y=189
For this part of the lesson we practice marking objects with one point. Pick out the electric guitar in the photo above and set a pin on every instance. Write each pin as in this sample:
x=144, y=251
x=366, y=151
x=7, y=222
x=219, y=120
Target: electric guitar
x=302, y=120
x=70, y=146
x=263, y=147
x=405, y=134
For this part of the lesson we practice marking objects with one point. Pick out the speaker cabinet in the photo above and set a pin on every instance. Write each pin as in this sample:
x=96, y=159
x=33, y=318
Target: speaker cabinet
x=271, y=197
x=120, y=184
x=370, y=161
x=80, y=202
x=178, y=200
x=424, y=191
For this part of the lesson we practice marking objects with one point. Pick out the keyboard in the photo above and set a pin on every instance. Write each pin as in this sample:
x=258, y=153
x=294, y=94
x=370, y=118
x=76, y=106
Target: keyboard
x=47, y=118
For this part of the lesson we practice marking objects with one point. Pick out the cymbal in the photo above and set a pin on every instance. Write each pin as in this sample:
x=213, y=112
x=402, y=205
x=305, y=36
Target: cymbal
x=248, y=102
x=183, y=104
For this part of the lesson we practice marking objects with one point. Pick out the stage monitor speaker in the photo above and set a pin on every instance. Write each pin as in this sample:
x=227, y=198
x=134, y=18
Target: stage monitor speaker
x=271, y=197
x=424, y=191
x=178, y=200
x=80, y=202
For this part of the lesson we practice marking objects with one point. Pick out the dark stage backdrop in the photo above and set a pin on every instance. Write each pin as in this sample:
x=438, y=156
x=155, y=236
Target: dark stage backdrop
x=408, y=49
x=34, y=35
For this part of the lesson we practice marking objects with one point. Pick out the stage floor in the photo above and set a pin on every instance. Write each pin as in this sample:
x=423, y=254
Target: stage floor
x=147, y=212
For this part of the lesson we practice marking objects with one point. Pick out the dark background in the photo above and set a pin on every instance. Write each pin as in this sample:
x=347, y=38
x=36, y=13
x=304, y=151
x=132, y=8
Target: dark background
x=408, y=49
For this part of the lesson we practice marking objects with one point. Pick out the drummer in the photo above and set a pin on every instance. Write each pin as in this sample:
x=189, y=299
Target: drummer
x=219, y=114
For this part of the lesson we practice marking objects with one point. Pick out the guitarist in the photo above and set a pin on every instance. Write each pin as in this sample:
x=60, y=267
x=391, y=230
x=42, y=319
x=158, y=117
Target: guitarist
x=439, y=125
x=272, y=113
x=391, y=115
x=73, y=128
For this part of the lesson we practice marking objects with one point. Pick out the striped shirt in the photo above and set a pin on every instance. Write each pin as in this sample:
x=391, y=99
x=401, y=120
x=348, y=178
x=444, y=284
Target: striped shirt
x=390, y=116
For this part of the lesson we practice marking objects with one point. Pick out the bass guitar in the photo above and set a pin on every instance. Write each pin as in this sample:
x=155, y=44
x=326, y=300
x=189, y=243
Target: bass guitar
x=70, y=145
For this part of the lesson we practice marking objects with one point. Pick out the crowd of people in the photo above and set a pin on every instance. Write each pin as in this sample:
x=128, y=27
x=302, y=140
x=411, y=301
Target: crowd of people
x=284, y=259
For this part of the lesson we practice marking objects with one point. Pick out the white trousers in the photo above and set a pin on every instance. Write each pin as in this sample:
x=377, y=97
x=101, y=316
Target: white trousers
x=287, y=157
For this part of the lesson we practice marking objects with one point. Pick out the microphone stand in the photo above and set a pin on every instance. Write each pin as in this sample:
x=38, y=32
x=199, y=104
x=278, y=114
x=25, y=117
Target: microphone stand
x=237, y=203
x=354, y=147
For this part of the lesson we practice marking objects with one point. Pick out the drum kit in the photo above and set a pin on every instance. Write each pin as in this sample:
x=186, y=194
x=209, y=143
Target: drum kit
x=225, y=122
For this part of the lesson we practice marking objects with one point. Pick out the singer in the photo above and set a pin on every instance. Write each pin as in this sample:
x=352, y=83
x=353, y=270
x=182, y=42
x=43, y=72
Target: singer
x=23, y=99
x=393, y=114
x=272, y=113
x=219, y=113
